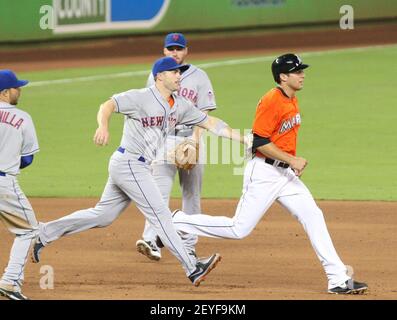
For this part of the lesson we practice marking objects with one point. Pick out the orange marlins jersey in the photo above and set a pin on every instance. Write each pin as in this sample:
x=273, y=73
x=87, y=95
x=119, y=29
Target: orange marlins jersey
x=277, y=118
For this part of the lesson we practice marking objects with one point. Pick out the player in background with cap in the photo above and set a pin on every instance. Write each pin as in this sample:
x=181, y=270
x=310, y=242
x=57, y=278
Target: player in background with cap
x=196, y=87
x=273, y=174
x=18, y=144
x=150, y=115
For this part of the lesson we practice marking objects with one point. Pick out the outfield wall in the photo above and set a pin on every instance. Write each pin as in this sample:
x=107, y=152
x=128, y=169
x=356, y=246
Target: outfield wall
x=30, y=20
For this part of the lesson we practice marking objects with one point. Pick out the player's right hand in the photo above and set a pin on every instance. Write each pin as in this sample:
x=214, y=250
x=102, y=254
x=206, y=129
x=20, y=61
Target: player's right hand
x=298, y=165
x=101, y=137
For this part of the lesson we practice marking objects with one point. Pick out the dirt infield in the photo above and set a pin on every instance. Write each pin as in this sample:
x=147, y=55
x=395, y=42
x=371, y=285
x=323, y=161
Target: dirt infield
x=275, y=262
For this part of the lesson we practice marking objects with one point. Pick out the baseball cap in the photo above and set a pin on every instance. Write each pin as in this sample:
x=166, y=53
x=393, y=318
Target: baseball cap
x=8, y=80
x=167, y=64
x=175, y=39
x=287, y=63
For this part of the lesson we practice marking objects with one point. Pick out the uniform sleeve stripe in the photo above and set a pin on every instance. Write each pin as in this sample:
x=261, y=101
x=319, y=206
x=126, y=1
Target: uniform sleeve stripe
x=29, y=153
x=208, y=108
x=205, y=118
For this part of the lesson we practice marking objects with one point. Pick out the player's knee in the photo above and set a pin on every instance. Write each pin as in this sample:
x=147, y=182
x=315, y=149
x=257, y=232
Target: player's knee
x=315, y=211
x=103, y=215
x=240, y=236
x=105, y=220
x=241, y=231
x=243, y=228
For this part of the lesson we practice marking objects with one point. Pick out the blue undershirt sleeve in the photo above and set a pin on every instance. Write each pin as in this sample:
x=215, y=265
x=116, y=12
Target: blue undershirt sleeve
x=26, y=161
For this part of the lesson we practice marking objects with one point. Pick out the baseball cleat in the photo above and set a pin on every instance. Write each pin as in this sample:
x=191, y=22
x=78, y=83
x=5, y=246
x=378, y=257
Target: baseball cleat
x=12, y=294
x=148, y=249
x=350, y=287
x=159, y=243
x=203, y=268
x=36, y=250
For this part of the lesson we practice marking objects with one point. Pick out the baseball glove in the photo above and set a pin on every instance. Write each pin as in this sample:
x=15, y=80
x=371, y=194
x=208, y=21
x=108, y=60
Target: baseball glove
x=187, y=154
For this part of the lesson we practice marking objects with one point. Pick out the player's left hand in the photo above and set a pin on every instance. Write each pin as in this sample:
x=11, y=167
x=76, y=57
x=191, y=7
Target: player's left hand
x=298, y=165
x=101, y=137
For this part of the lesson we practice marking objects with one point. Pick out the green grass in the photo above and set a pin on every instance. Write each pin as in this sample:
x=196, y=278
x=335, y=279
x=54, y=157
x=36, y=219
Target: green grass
x=348, y=131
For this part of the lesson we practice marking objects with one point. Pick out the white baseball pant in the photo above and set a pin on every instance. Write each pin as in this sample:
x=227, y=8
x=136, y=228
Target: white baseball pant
x=264, y=184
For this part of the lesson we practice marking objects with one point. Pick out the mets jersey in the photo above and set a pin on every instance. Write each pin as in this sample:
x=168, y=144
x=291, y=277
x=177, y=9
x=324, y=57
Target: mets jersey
x=149, y=118
x=17, y=138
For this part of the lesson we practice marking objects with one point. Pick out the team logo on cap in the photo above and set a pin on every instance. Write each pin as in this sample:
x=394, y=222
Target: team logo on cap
x=175, y=37
x=72, y=16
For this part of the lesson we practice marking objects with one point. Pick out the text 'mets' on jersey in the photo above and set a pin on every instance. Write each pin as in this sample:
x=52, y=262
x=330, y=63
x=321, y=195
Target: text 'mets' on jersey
x=277, y=118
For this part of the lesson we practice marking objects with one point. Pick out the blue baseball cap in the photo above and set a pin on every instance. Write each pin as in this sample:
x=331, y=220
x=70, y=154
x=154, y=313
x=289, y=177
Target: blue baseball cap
x=175, y=39
x=168, y=64
x=8, y=80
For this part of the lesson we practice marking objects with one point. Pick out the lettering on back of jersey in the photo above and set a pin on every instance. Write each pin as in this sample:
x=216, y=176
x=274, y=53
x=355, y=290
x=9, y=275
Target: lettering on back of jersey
x=188, y=94
x=11, y=119
x=288, y=124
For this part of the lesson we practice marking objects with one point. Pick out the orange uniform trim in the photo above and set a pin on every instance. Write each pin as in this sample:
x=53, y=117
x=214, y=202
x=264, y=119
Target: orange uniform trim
x=171, y=101
x=277, y=118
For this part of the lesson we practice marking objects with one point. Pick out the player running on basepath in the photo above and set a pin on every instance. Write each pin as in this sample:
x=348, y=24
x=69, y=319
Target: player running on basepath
x=273, y=174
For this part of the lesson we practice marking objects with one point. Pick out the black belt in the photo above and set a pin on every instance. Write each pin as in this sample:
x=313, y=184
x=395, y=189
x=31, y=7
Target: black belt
x=2, y=174
x=280, y=164
x=122, y=150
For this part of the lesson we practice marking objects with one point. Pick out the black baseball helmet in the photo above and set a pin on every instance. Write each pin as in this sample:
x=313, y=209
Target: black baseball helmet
x=286, y=63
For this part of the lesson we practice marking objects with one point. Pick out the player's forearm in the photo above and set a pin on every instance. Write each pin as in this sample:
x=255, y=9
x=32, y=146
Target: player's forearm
x=297, y=164
x=197, y=133
x=270, y=150
x=101, y=136
x=222, y=129
x=105, y=111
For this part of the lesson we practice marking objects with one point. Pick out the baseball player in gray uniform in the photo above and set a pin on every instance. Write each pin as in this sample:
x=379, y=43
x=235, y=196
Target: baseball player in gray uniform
x=150, y=114
x=18, y=144
x=196, y=87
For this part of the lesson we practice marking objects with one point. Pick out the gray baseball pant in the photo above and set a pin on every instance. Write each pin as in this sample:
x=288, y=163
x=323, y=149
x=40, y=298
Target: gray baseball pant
x=190, y=182
x=19, y=218
x=128, y=180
